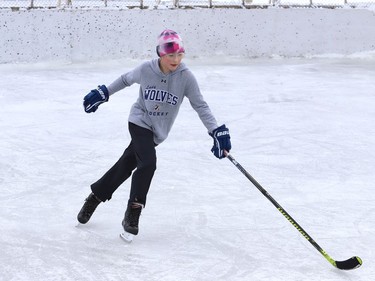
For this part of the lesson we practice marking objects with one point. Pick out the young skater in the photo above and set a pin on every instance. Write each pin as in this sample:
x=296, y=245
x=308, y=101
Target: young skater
x=164, y=82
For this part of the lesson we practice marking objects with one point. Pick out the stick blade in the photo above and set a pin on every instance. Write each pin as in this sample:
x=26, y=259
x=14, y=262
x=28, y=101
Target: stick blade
x=352, y=263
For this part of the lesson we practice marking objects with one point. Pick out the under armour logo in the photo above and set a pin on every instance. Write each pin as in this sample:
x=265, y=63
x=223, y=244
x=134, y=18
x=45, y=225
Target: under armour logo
x=163, y=81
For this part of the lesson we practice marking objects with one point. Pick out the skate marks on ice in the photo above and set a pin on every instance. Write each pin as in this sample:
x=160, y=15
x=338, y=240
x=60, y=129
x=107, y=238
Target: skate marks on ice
x=125, y=236
x=227, y=256
x=93, y=233
x=322, y=119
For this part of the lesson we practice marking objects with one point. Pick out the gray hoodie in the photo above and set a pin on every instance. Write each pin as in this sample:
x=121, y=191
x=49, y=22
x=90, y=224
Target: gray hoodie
x=160, y=97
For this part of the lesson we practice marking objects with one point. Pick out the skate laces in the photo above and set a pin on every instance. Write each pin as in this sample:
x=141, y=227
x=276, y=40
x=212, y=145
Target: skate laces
x=134, y=213
x=91, y=203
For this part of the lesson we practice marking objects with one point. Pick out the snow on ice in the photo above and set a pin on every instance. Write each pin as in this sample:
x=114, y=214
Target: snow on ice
x=302, y=127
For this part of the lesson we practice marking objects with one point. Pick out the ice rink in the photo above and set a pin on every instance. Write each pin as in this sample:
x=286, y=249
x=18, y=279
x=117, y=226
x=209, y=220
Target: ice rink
x=303, y=127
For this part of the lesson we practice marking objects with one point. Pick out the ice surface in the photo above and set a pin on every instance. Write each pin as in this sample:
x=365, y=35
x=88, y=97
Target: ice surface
x=304, y=128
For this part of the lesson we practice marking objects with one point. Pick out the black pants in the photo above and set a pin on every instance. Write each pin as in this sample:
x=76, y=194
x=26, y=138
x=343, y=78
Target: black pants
x=139, y=155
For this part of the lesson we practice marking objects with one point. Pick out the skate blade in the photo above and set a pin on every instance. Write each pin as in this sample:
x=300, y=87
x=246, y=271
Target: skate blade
x=127, y=237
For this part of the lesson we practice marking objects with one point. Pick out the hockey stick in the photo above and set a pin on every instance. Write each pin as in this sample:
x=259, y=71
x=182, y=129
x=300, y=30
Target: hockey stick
x=352, y=263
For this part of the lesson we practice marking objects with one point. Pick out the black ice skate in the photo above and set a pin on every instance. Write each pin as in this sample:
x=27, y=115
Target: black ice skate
x=131, y=219
x=88, y=208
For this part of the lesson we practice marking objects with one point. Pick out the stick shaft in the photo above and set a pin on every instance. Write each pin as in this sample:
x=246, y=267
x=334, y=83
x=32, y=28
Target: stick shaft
x=282, y=210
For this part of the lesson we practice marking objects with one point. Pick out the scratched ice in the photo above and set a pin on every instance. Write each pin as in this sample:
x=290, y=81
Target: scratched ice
x=304, y=128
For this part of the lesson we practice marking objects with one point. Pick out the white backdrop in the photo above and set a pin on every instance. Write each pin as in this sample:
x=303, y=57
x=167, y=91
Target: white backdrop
x=81, y=35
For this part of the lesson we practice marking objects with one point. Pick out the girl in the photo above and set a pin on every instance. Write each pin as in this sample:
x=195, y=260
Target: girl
x=164, y=82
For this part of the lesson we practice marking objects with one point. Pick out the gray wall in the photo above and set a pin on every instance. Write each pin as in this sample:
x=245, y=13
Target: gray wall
x=83, y=35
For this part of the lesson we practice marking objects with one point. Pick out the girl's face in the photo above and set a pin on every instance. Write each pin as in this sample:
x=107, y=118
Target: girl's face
x=170, y=62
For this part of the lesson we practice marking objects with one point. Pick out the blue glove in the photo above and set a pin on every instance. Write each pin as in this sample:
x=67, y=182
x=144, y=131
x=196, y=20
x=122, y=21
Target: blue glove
x=221, y=141
x=95, y=98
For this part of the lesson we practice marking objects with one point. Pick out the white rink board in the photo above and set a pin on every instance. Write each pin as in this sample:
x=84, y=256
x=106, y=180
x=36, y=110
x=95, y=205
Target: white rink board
x=85, y=35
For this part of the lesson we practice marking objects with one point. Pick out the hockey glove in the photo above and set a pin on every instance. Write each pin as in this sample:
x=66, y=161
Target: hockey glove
x=95, y=98
x=221, y=141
